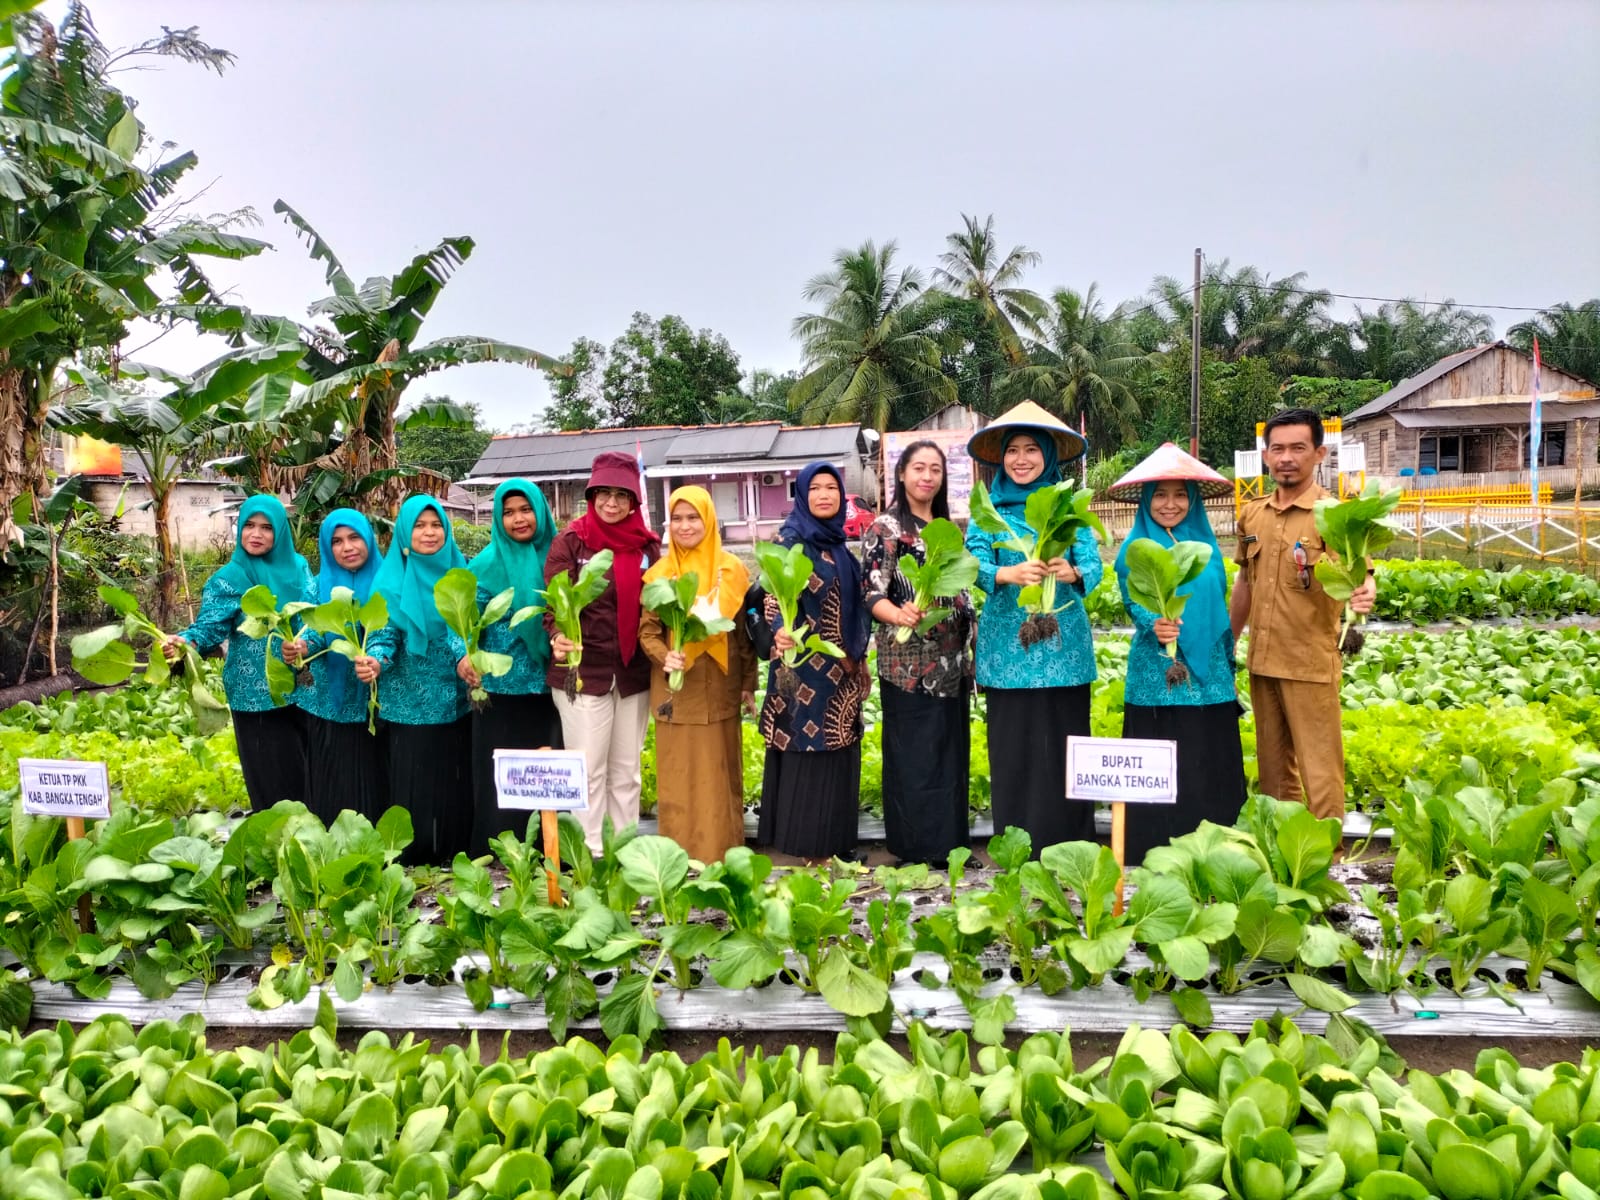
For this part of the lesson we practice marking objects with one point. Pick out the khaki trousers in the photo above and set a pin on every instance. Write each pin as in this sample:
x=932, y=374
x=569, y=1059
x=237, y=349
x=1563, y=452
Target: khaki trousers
x=1299, y=742
x=609, y=731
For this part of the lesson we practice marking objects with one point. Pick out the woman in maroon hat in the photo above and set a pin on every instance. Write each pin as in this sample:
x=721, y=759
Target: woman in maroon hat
x=606, y=719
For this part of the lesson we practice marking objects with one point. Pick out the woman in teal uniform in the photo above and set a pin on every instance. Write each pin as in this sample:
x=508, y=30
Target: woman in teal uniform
x=1200, y=712
x=270, y=737
x=520, y=713
x=1037, y=691
x=420, y=695
x=348, y=768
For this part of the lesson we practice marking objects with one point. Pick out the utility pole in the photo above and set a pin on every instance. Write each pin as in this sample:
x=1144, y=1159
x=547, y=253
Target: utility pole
x=1194, y=365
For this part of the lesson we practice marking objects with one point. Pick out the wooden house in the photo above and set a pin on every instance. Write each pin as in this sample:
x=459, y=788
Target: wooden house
x=1466, y=420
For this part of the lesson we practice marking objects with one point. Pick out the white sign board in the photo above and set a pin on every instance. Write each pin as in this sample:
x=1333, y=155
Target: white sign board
x=1352, y=458
x=958, y=463
x=64, y=788
x=1122, y=770
x=1247, y=464
x=541, y=780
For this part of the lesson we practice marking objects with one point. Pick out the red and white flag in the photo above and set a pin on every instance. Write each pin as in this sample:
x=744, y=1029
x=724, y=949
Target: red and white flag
x=644, y=484
x=1535, y=431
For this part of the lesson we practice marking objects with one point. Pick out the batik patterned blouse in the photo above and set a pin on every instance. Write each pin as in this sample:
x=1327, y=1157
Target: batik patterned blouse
x=417, y=689
x=938, y=663
x=244, y=674
x=823, y=711
x=525, y=678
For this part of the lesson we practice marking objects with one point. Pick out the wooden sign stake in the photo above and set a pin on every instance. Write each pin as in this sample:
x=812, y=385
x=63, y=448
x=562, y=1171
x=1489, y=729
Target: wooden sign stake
x=549, y=826
x=75, y=830
x=1119, y=847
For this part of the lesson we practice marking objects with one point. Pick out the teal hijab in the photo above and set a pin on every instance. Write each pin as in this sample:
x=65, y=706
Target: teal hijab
x=282, y=570
x=406, y=578
x=1007, y=494
x=1206, y=614
x=507, y=563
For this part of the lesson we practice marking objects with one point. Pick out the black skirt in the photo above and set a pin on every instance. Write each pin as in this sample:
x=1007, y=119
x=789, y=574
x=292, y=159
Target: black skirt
x=810, y=801
x=272, y=755
x=1211, y=784
x=927, y=751
x=347, y=767
x=1028, y=730
x=429, y=778
x=507, y=723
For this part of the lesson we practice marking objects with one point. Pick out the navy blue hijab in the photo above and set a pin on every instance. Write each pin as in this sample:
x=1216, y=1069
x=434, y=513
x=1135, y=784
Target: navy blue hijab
x=818, y=535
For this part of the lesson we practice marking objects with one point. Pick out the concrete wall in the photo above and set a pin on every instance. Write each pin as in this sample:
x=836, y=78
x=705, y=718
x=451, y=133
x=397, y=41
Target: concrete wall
x=200, y=512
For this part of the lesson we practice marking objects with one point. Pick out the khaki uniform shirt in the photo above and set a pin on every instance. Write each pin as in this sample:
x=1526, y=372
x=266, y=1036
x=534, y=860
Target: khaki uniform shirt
x=1294, y=624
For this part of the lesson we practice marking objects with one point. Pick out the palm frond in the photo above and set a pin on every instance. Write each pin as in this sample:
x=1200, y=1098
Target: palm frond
x=337, y=278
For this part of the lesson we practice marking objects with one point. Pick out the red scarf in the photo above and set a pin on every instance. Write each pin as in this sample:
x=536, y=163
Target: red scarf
x=627, y=540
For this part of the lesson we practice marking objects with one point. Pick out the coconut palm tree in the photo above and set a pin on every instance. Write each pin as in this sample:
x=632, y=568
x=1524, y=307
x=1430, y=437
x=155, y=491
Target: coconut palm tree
x=1569, y=338
x=974, y=269
x=1085, y=364
x=872, y=354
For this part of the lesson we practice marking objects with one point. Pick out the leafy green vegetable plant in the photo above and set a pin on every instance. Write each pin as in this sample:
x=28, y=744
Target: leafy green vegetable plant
x=785, y=574
x=685, y=622
x=1156, y=574
x=456, y=595
x=1054, y=515
x=264, y=620
x=1353, y=530
x=566, y=599
x=946, y=571
x=106, y=656
x=349, y=626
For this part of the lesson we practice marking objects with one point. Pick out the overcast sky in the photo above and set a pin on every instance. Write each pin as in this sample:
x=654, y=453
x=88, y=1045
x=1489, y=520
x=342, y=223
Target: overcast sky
x=706, y=159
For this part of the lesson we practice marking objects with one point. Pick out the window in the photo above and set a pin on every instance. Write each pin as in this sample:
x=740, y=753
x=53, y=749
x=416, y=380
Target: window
x=1383, y=451
x=1553, y=448
x=1441, y=453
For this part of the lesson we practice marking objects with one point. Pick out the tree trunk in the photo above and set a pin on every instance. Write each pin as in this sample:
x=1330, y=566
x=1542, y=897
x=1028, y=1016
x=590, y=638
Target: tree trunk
x=40, y=689
x=20, y=473
x=166, y=556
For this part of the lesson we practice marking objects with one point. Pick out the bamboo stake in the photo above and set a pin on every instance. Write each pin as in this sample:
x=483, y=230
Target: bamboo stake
x=1119, y=848
x=75, y=831
x=550, y=830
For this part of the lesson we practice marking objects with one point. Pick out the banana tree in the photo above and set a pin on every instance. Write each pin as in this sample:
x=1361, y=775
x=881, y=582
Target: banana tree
x=168, y=429
x=360, y=355
x=86, y=240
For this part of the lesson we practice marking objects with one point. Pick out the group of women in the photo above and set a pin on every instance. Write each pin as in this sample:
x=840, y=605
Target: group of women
x=434, y=756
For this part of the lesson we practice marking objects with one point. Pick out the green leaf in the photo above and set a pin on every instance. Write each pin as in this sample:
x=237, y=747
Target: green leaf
x=1156, y=573
x=1194, y=1007
x=456, y=596
x=421, y=1132
x=1466, y=1171
x=849, y=989
x=1314, y=993
x=1160, y=909
x=101, y=657
x=1266, y=931
x=743, y=958
x=654, y=866
x=630, y=1008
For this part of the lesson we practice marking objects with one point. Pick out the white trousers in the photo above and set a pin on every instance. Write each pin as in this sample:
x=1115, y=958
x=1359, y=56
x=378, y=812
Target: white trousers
x=609, y=731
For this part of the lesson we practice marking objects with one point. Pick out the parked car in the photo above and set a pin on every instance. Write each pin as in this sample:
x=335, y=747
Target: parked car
x=857, y=516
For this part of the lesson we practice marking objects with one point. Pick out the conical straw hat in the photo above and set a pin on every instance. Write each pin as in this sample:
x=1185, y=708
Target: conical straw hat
x=988, y=444
x=1167, y=461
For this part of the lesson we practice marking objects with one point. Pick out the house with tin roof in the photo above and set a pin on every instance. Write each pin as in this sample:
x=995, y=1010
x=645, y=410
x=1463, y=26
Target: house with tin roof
x=1470, y=415
x=749, y=470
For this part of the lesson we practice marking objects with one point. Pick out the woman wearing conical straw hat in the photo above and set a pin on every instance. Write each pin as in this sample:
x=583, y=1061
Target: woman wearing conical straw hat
x=1036, y=677
x=1188, y=695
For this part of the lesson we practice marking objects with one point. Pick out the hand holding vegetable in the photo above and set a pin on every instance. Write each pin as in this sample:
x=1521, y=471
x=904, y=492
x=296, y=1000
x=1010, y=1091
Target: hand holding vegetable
x=1156, y=576
x=565, y=599
x=685, y=619
x=349, y=627
x=1054, y=515
x=1167, y=630
x=456, y=595
x=1353, y=530
x=106, y=656
x=785, y=575
x=946, y=571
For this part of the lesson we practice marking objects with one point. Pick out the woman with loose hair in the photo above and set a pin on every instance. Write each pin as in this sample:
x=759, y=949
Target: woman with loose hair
x=924, y=682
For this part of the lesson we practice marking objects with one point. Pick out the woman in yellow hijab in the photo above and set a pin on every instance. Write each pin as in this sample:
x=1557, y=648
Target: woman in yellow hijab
x=699, y=766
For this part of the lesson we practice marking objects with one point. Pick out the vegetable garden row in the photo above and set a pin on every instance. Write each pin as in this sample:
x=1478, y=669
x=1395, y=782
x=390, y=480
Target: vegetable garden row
x=1278, y=1114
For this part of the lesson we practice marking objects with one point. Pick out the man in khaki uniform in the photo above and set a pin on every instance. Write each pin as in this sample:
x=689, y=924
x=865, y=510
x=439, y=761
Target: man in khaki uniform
x=1294, y=625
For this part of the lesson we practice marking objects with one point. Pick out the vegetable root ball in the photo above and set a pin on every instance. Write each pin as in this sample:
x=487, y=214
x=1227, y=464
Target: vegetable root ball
x=1040, y=627
x=1354, y=641
x=571, y=686
x=1177, y=673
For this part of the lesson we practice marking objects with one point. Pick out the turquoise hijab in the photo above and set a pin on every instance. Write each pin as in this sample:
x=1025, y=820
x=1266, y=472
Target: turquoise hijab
x=282, y=570
x=507, y=563
x=337, y=670
x=332, y=575
x=406, y=578
x=1007, y=494
x=1206, y=614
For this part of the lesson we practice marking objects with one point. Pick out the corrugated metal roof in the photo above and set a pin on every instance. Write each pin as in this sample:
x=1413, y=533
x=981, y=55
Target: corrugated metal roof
x=1464, y=416
x=570, y=455
x=723, y=442
x=1380, y=404
x=816, y=442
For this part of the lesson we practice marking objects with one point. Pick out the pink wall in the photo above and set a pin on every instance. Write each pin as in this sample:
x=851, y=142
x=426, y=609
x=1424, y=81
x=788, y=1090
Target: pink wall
x=774, y=502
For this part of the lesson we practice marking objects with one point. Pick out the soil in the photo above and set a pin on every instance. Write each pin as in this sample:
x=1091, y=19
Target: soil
x=1431, y=1054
